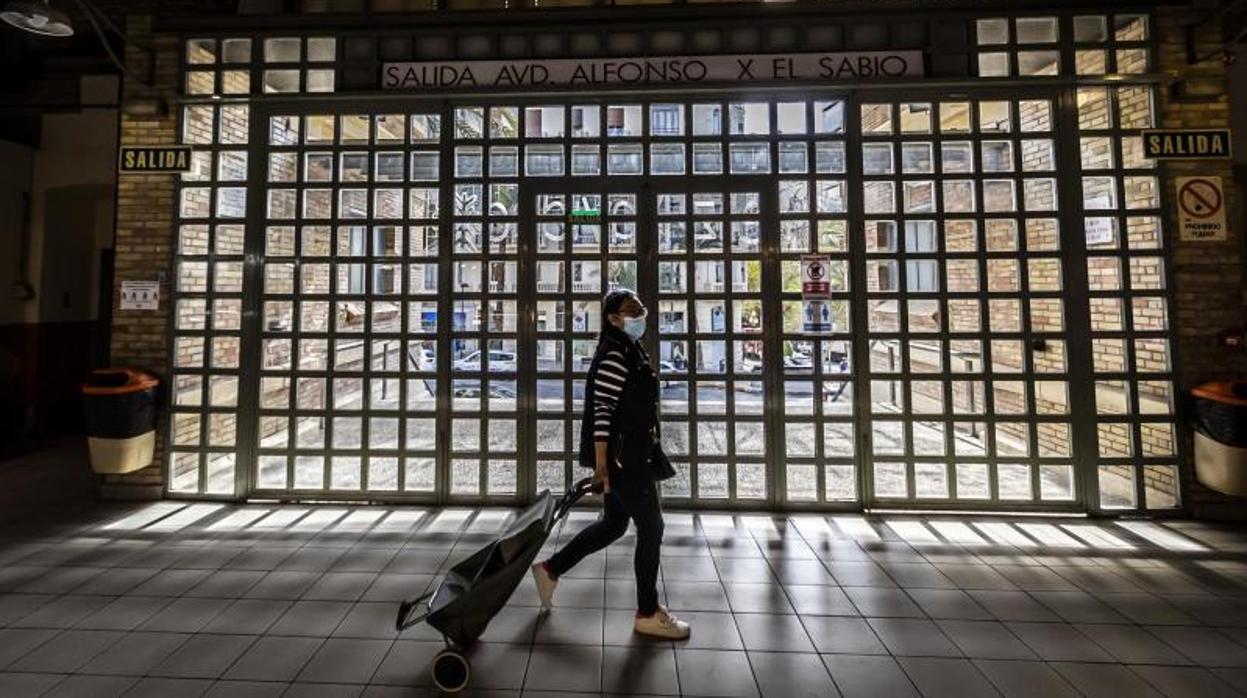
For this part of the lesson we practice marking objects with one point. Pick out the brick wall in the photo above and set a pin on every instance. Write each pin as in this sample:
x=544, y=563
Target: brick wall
x=144, y=241
x=1208, y=276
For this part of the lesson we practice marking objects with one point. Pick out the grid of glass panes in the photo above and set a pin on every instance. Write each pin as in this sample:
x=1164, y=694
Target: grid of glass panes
x=485, y=352
x=217, y=67
x=969, y=389
x=580, y=238
x=1031, y=46
x=207, y=306
x=347, y=389
x=817, y=406
x=711, y=344
x=1131, y=345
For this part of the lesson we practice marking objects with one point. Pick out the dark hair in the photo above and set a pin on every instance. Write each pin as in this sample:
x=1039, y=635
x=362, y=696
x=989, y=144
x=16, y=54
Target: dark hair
x=613, y=302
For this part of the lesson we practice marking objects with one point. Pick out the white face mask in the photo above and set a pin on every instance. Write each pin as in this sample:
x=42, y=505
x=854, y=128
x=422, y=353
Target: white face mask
x=634, y=327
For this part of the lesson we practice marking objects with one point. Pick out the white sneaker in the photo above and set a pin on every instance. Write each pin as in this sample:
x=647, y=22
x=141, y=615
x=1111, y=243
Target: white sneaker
x=662, y=624
x=545, y=584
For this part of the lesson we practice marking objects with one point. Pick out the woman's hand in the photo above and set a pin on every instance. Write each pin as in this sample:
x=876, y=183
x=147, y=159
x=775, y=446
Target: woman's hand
x=601, y=478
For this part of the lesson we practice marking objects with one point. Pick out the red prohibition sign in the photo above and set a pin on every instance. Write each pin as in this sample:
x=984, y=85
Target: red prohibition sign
x=1199, y=198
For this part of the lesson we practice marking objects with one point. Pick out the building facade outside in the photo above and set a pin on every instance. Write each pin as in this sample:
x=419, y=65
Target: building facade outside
x=383, y=269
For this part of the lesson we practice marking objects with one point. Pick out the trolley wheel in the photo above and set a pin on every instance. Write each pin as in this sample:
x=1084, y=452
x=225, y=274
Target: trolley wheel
x=451, y=671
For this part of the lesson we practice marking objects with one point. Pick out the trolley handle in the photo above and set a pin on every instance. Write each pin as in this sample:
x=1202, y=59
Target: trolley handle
x=573, y=495
x=405, y=618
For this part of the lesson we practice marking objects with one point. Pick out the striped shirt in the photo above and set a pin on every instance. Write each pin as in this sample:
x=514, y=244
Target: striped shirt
x=608, y=385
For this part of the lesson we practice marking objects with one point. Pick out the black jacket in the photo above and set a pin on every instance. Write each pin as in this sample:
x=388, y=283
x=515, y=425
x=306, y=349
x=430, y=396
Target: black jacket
x=634, y=429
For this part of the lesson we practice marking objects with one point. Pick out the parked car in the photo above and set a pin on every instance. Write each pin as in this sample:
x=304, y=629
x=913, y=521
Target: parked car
x=498, y=361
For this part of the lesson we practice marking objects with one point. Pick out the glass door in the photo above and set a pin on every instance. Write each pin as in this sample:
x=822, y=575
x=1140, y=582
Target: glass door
x=585, y=242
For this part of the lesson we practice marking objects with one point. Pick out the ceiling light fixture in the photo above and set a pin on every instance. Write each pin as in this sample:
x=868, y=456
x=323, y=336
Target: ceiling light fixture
x=37, y=18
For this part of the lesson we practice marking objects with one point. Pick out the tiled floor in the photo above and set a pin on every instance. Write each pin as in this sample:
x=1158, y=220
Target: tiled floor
x=170, y=599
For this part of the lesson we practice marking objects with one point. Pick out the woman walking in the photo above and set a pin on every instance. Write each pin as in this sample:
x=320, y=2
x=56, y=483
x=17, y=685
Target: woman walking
x=618, y=435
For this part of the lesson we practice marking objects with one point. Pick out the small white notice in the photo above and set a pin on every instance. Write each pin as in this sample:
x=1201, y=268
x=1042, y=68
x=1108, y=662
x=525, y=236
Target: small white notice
x=140, y=295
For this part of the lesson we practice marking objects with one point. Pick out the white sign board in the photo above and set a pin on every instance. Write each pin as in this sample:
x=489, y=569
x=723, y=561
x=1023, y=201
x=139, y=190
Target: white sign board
x=857, y=66
x=816, y=294
x=140, y=295
x=1201, y=209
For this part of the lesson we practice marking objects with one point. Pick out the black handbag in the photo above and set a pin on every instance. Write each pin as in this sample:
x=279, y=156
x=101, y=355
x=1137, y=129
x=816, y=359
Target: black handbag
x=661, y=464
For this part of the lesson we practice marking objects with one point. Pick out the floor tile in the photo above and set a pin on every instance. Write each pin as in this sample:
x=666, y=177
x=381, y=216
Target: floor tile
x=247, y=617
x=868, y=677
x=769, y=632
x=1058, y=642
x=314, y=618
x=1025, y=679
x=791, y=675
x=917, y=575
x=340, y=586
x=498, y=666
x=715, y=673
x=226, y=584
x=948, y=603
x=1146, y=609
x=1204, y=646
x=345, y=661
x=66, y=652
x=757, y=598
x=842, y=635
x=709, y=631
x=125, y=613
x=397, y=587
x=117, y=581
x=1104, y=680
x=60, y=580
x=1130, y=644
x=283, y=584
x=23, y=685
x=851, y=573
x=574, y=593
x=15, y=642
x=204, y=656
x=274, y=659
x=696, y=596
x=408, y=663
x=62, y=612
x=564, y=668
x=14, y=606
x=170, y=582
x=1013, y=605
x=802, y=572
x=636, y=669
x=135, y=654
x=938, y=677
x=245, y=689
x=571, y=626
x=1078, y=607
x=820, y=600
x=185, y=615
x=876, y=602
x=913, y=637
x=157, y=687
x=1187, y=682
x=91, y=686
x=985, y=640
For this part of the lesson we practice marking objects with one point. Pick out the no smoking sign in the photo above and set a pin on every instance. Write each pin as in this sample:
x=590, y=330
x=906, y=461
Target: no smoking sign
x=1201, y=208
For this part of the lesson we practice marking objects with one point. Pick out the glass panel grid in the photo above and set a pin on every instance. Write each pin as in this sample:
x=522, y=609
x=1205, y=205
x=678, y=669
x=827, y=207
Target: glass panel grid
x=967, y=363
x=1135, y=434
x=207, y=298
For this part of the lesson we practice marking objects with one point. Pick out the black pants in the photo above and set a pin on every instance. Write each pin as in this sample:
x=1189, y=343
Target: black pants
x=631, y=497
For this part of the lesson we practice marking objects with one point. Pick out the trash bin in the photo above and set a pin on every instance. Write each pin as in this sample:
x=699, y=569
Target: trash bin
x=1219, y=418
x=121, y=419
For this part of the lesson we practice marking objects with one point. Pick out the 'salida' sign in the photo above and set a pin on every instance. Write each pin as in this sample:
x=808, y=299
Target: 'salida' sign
x=652, y=71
